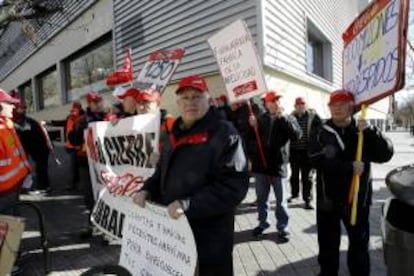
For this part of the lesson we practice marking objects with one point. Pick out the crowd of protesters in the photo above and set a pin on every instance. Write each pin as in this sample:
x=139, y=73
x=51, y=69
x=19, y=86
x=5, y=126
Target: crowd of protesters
x=235, y=144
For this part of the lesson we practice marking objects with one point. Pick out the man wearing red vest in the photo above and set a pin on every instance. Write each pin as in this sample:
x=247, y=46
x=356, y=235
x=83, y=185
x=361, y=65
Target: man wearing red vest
x=14, y=166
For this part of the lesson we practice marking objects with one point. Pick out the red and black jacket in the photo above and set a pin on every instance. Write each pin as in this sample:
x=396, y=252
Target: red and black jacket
x=205, y=164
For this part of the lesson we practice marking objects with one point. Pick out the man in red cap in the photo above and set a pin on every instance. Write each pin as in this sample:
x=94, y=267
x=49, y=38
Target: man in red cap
x=276, y=130
x=298, y=155
x=332, y=150
x=14, y=165
x=206, y=191
x=129, y=100
x=94, y=113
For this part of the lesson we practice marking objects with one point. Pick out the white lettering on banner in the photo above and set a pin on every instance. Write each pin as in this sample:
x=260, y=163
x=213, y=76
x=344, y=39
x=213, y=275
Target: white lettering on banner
x=119, y=164
x=155, y=244
x=372, y=53
x=234, y=50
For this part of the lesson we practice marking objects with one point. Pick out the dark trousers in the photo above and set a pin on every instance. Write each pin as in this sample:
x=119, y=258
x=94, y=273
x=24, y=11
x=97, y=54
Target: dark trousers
x=74, y=167
x=86, y=184
x=329, y=235
x=216, y=269
x=301, y=169
x=42, y=172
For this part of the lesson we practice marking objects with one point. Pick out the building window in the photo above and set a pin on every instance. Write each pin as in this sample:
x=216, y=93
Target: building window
x=89, y=69
x=318, y=53
x=49, y=95
x=26, y=93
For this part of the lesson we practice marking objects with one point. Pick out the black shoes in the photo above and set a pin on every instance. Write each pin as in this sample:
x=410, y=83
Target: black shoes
x=283, y=236
x=308, y=206
x=291, y=199
x=258, y=231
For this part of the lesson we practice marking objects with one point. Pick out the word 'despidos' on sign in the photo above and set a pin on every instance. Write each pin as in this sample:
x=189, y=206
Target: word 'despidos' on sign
x=236, y=55
x=158, y=69
x=374, y=51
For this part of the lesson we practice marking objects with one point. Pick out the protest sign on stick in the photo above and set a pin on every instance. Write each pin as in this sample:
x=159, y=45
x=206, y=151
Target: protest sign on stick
x=155, y=244
x=158, y=69
x=233, y=47
x=239, y=65
x=119, y=163
x=374, y=62
x=374, y=51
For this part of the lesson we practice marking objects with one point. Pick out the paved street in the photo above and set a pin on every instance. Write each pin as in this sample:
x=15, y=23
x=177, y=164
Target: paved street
x=69, y=255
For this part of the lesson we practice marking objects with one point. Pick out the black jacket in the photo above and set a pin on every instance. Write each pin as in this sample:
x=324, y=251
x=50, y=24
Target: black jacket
x=275, y=134
x=332, y=151
x=76, y=135
x=206, y=165
x=32, y=138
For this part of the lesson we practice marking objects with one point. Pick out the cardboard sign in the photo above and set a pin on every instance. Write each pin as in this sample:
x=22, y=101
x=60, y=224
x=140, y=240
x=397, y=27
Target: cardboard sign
x=155, y=244
x=11, y=230
x=234, y=50
x=374, y=52
x=159, y=69
x=119, y=163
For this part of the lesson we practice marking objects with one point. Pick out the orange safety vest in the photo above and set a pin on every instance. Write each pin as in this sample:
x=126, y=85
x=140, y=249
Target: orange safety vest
x=70, y=124
x=14, y=165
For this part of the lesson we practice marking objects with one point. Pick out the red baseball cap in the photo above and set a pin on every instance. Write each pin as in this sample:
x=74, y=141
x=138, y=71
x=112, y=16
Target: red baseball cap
x=299, y=101
x=149, y=95
x=93, y=97
x=341, y=95
x=271, y=96
x=195, y=81
x=130, y=92
x=6, y=98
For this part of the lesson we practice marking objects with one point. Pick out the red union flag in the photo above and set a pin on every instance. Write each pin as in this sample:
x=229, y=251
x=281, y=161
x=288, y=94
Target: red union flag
x=124, y=74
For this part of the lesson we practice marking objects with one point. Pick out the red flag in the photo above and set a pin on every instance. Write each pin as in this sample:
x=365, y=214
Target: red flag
x=124, y=74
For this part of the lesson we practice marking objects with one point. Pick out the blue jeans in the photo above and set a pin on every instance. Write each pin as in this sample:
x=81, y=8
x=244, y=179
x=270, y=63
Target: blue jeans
x=279, y=185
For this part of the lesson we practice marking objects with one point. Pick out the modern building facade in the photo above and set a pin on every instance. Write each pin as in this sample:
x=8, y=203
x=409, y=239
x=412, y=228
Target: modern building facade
x=299, y=44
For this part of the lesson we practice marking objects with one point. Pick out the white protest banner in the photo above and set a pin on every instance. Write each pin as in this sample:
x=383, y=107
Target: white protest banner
x=158, y=69
x=119, y=163
x=374, y=51
x=154, y=244
x=236, y=55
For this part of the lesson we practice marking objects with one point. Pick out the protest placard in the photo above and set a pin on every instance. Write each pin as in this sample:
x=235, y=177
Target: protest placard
x=156, y=245
x=236, y=55
x=158, y=69
x=374, y=51
x=11, y=230
x=119, y=163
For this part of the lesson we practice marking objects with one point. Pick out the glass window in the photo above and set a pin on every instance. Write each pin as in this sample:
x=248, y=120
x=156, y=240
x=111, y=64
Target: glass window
x=27, y=94
x=318, y=53
x=89, y=71
x=49, y=95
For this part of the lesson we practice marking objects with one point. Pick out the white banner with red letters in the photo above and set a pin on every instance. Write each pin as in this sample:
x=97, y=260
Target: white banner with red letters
x=236, y=56
x=155, y=244
x=158, y=69
x=374, y=51
x=119, y=163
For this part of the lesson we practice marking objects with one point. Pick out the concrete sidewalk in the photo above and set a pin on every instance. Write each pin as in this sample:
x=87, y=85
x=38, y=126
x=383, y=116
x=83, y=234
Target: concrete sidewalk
x=65, y=216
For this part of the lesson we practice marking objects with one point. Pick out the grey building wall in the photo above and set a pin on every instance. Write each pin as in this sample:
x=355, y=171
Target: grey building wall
x=16, y=48
x=285, y=35
x=148, y=25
